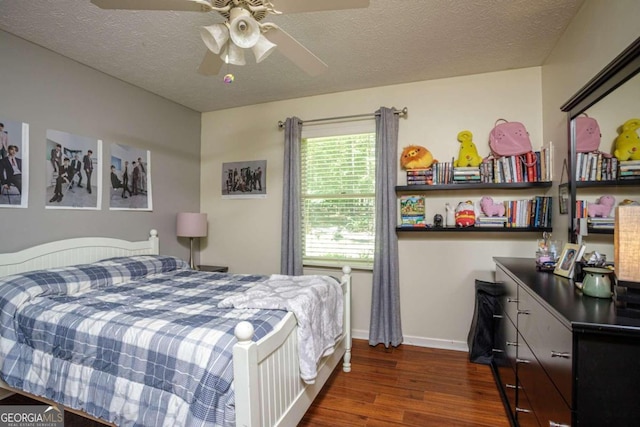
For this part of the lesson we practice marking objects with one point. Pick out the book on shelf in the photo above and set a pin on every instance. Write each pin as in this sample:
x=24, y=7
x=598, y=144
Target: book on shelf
x=412, y=211
x=491, y=221
x=419, y=176
x=596, y=166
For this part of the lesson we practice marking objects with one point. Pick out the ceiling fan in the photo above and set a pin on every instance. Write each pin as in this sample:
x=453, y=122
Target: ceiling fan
x=243, y=28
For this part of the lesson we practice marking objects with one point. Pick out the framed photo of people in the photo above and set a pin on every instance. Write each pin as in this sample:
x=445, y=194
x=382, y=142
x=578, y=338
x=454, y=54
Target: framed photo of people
x=244, y=180
x=73, y=171
x=14, y=164
x=130, y=178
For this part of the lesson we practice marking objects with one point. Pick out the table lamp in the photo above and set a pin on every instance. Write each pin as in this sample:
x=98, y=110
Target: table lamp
x=191, y=224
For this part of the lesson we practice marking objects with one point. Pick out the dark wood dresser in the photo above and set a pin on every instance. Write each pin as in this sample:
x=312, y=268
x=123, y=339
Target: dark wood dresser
x=563, y=358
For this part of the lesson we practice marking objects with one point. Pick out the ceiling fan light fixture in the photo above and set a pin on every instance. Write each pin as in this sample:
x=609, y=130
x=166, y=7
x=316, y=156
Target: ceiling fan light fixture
x=243, y=28
x=215, y=36
x=263, y=48
x=233, y=55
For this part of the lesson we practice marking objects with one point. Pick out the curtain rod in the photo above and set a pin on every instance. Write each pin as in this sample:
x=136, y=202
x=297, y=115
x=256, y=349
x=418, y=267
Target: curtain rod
x=401, y=113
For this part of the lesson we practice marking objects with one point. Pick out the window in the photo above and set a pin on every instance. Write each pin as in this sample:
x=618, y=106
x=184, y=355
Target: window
x=338, y=199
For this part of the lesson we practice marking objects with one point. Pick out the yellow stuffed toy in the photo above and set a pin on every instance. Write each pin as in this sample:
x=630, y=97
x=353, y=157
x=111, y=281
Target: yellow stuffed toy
x=468, y=154
x=628, y=142
x=416, y=157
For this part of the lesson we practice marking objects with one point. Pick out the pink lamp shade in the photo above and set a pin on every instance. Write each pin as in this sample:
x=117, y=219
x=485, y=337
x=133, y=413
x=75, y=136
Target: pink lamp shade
x=191, y=224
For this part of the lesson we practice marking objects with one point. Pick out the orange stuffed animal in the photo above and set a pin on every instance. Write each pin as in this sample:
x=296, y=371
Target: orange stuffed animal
x=416, y=157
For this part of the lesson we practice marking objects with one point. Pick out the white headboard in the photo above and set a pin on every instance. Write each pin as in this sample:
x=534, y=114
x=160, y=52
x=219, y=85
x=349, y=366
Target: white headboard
x=81, y=250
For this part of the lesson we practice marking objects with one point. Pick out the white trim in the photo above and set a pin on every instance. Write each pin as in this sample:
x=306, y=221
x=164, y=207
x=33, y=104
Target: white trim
x=421, y=341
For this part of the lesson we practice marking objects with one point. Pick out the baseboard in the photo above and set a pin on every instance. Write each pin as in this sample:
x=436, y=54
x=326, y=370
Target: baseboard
x=421, y=341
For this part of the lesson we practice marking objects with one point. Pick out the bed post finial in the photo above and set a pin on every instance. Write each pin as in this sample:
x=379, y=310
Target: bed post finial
x=154, y=241
x=243, y=331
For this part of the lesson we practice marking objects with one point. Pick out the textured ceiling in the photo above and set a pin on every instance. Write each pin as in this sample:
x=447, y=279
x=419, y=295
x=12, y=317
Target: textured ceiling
x=391, y=42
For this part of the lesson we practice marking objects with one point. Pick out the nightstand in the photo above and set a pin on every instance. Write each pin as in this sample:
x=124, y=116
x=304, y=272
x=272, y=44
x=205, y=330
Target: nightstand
x=213, y=268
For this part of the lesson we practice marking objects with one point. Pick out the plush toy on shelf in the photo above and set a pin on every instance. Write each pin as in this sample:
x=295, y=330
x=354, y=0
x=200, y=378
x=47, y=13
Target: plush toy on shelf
x=602, y=207
x=489, y=208
x=465, y=214
x=416, y=157
x=468, y=153
x=628, y=142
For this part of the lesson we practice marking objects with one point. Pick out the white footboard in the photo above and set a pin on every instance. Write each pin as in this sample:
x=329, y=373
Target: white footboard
x=267, y=384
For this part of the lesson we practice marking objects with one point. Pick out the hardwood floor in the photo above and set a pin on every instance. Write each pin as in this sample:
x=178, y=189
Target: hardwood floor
x=405, y=386
x=408, y=386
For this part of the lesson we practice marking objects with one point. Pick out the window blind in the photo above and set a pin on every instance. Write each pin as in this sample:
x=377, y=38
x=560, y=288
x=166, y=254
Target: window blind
x=338, y=198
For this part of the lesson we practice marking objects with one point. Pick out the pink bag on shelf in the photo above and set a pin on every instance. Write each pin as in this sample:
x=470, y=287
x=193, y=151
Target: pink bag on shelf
x=509, y=139
x=587, y=134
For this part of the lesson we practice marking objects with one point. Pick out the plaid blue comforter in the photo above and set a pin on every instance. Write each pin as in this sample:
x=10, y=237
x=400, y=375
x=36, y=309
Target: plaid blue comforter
x=137, y=341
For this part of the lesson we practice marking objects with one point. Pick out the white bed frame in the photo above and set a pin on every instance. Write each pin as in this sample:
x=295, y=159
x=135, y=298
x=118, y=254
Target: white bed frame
x=267, y=384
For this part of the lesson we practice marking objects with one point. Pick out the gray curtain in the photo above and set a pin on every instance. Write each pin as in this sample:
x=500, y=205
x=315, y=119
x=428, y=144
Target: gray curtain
x=291, y=257
x=385, y=326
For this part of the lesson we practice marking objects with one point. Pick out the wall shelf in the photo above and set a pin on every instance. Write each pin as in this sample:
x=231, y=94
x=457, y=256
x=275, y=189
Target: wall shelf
x=614, y=183
x=478, y=186
x=472, y=229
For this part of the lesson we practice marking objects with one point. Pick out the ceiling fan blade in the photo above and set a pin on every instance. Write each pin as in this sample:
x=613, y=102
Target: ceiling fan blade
x=294, y=6
x=211, y=64
x=180, y=5
x=298, y=54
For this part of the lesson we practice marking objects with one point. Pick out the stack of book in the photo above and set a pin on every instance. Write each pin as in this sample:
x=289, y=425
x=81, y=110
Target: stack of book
x=491, y=221
x=604, y=223
x=466, y=174
x=596, y=166
x=412, y=211
x=630, y=169
x=420, y=176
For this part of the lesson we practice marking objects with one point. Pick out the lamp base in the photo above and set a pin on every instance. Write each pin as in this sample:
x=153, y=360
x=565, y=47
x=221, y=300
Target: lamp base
x=192, y=262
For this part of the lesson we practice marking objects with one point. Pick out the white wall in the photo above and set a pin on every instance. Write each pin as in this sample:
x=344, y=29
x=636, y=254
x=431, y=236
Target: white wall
x=437, y=272
x=599, y=32
x=49, y=91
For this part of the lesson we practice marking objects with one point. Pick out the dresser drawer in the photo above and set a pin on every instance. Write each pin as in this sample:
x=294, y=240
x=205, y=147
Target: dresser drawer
x=549, y=340
x=542, y=396
x=509, y=301
x=504, y=357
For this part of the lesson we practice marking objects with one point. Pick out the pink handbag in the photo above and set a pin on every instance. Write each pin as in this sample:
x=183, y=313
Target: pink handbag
x=587, y=134
x=509, y=139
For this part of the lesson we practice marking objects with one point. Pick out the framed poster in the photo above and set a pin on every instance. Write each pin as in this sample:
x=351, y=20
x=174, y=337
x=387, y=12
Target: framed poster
x=244, y=180
x=73, y=171
x=130, y=178
x=14, y=164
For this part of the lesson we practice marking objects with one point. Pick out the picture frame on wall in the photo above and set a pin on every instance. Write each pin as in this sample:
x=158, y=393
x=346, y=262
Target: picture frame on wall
x=244, y=180
x=571, y=254
x=73, y=171
x=14, y=164
x=563, y=198
x=130, y=178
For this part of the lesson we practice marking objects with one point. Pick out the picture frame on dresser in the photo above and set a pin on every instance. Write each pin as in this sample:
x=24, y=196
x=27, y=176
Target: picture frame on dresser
x=571, y=253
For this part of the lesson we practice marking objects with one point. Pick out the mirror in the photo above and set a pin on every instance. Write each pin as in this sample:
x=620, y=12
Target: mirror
x=612, y=97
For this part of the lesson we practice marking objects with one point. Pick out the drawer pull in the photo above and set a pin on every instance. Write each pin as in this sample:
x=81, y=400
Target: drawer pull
x=525, y=361
x=497, y=350
x=512, y=300
x=511, y=343
x=564, y=355
x=513, y=386
x=498, y=316
x=524, y=312
x=555, y=424
x=526, y=411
